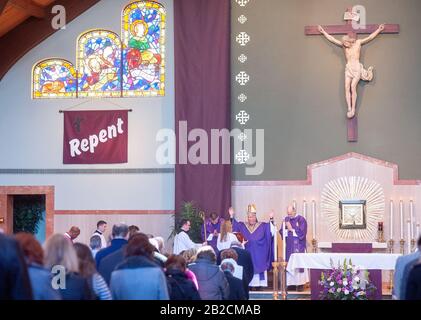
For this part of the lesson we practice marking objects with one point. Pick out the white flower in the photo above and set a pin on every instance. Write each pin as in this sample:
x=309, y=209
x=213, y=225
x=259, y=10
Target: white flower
x=339, y=290
x=346, y=292
x=356, y=279
x=355, y=286
x=345, y=282
x=332, y=283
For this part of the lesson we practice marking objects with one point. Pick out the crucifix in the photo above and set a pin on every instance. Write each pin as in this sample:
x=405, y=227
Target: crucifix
x=354, y=69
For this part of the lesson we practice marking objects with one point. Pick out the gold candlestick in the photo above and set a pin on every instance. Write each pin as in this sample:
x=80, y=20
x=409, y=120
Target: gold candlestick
x=402, y=245
x=275, y=266
x=412, y=245
x=314, y=245
x=391, y=273
x=391, y=245
x=284, y=293
x=380, y=236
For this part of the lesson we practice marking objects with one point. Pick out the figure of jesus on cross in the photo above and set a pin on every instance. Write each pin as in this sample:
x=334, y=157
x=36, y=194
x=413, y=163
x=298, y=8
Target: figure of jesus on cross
x=354, y=69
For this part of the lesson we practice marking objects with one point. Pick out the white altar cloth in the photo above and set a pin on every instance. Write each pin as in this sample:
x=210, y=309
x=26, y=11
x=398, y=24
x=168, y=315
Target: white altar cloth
x=367, y=261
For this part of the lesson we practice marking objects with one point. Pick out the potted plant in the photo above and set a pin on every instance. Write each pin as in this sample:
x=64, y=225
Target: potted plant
x=190, y=211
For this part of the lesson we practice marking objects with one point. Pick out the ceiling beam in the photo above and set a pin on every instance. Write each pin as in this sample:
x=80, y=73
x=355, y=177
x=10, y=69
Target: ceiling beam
x=17, y=42
x=32, y=9
x=3, y=4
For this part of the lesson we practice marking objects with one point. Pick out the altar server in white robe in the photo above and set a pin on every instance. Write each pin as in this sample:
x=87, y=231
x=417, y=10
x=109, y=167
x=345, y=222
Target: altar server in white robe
x=182, y=240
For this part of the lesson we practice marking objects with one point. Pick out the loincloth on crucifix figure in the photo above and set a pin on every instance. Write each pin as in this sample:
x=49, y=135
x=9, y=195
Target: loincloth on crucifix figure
x=357, y=71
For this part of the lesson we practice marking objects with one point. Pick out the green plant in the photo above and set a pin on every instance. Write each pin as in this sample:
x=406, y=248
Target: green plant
x=190, y=211
x=27, y=213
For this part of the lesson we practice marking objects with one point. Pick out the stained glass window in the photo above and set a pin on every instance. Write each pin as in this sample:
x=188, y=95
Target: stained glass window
x=143, y=37
x=53, y=78
x=99, y=64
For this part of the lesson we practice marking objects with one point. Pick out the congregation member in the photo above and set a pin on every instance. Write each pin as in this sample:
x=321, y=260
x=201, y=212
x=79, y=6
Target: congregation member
x=133, y=230
x=101, y=227
x=72, y=234
x=180, y=287
x=95, y=244
x=39, y=276
x=413, y=286
x=231, y=256
x=88, y=270
x=295, y=227
x=110, y=262
x=190, y=257
x=211, y=229
x=244, y=260
x=159, y=258
x=59, y=251
x=138, y=277
x=243, y=264
x=403, y=267
x=213, y=284
x=15, y=283
x=236, y=291
x=259, y=237
x=226, y=237
x=182, y=240
x=119, y=233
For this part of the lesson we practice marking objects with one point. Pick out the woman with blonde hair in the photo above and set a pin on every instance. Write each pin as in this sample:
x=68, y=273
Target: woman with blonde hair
x=59, y=257
x=190, y=257
x=226, y=237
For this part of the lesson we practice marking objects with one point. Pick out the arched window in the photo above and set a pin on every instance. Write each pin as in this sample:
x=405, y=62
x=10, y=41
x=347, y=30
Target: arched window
x=53, y=78
x=143, y=37
x=99, y=64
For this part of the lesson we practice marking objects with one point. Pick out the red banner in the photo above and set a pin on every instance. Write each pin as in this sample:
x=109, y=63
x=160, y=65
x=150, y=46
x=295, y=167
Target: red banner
x=95, y=137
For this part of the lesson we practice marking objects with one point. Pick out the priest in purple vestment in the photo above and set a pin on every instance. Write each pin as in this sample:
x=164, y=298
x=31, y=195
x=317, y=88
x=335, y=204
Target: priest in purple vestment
x=213, y=228
x=296, y=231
x=296, y=225
x=259, y=242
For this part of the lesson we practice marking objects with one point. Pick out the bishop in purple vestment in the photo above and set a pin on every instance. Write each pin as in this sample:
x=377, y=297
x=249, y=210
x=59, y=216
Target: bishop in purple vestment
x=296, y=225
x=213, y=227
x=259, y=237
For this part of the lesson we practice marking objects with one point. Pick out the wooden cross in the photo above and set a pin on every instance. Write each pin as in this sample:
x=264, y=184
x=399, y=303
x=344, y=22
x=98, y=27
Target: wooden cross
x=351, y=32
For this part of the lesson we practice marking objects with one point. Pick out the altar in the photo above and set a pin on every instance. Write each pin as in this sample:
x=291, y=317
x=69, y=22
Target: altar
x=322, y=261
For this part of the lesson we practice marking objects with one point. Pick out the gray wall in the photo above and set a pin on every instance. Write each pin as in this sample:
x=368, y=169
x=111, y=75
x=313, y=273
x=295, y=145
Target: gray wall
x=296, y=89
x=31, y=131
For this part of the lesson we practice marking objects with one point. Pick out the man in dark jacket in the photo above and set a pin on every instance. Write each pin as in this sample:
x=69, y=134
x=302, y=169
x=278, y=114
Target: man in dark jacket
x=108, y=264
x=14, y=279
x=120, y=235
x=236, y=285
x=213, y=284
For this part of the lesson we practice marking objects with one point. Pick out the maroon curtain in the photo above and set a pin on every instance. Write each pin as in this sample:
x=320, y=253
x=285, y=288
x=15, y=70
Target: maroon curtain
x=202, y=96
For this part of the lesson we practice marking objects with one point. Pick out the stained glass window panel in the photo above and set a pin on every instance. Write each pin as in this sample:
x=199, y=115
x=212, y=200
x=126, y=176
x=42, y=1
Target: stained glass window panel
x=143, y=37
x=53, y=78
x=99, y=64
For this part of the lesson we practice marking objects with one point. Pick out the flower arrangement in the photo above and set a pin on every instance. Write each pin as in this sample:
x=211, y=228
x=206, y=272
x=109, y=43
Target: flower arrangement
x=346, y=282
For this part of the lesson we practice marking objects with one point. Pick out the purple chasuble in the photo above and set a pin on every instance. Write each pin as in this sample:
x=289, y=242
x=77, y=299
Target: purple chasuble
x=210, y=228
x=298, y=243
x=260, y=245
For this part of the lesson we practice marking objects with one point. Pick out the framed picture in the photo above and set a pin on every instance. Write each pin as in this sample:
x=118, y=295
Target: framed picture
x=352, y=214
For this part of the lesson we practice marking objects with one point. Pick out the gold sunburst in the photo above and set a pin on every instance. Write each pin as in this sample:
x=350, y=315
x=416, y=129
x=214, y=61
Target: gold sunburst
x=353, y=188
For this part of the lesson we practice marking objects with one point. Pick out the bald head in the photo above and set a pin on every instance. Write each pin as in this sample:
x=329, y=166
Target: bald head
x=291, y=211
x=74, y=232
